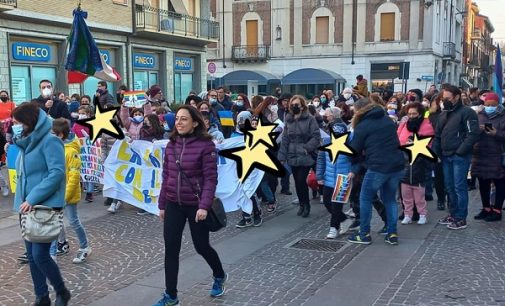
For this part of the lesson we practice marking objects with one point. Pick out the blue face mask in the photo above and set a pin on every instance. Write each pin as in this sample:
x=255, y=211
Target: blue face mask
x=213, y=101
x=240, y=103
x=17, y=130
x=489, y=109
x=323, y=100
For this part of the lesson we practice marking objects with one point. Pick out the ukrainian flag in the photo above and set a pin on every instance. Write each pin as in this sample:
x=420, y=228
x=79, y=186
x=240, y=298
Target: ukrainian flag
x=226, y=118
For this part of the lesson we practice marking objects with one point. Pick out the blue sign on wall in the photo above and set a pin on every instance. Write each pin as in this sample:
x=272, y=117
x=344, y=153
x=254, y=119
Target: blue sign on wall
x=106, y=56
x=25, y=51
x=143, y=60
x=183, y=63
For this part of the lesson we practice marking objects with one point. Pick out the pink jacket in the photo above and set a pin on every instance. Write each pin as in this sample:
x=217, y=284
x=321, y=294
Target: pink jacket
x=77, y=130
x=426, y=129
x=131, y=127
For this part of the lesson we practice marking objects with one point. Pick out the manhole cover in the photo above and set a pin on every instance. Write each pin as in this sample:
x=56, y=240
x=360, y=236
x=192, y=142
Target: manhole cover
x=318, y=245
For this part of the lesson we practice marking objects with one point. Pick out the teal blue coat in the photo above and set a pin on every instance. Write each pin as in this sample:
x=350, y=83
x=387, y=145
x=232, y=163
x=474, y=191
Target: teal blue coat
x=40, y=167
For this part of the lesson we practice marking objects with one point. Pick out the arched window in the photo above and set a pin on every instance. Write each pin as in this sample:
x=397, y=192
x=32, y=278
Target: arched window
x=387, y=22
x=322, y=27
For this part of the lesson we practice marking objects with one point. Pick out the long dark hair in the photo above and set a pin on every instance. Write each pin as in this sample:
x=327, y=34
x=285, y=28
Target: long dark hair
x=28, y=114
x=200, y=130
x=156, y=127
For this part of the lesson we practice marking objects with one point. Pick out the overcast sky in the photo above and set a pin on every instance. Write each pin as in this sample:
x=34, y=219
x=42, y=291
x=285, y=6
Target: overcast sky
x=494, y=9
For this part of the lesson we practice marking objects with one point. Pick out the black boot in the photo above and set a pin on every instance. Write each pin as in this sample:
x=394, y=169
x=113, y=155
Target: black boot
x=306, y=212
x=62, y=297
x=441, y=205
x=301, y=209
x=43, y=301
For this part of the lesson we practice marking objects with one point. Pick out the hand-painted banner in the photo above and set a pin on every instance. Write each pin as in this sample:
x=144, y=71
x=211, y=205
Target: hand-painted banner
x=133, y=175
x=92, y=169
x=342, y=190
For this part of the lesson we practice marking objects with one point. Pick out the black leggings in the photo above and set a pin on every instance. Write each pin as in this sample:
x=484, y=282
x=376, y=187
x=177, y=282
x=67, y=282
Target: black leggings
x=438, y=181
x=173, y=226
x=485, y=190
x=334, y=208
x=302, y=190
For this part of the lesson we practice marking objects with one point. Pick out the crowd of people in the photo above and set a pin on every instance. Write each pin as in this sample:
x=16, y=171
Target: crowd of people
x=467, y=127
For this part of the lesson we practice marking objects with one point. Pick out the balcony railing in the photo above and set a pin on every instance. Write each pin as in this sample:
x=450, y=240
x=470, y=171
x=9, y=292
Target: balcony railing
x=8, y=4
x=449, y=50
x=253, y=53
x=158, y=20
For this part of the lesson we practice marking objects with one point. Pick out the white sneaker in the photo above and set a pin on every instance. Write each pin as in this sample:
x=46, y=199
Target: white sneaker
x=112, y=208
x=295, y=201
x=5, y=191
x=82, y=255
x=350, y=213
x=321, y=200
x=407, y=220
x=422, y=220
x=332, y=234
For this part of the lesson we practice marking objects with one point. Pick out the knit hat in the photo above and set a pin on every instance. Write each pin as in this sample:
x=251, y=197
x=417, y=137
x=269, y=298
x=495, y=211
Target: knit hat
x=154, y=90
x=170, y=119
x=243, y=116
x=491, y=96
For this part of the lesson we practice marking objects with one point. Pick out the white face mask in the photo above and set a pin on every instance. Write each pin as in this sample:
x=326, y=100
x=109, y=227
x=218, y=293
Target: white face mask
x=347, y=96
x=316, y=103
x=82, y=116
x=46, y=92
x=274, y=108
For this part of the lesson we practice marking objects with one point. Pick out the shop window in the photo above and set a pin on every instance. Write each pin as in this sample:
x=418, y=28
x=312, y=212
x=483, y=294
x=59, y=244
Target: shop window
x=322, y=29
x=183, y=85
x=387, y=27
x=25, y=81
x=142, y=80
x=90, y=86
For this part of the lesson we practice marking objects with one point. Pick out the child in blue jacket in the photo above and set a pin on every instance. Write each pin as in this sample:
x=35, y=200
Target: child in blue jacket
x=326, y=174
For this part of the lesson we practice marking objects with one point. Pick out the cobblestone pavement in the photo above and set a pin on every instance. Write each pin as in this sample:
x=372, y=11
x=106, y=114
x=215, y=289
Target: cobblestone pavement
x=464, y=267
x=126, y=247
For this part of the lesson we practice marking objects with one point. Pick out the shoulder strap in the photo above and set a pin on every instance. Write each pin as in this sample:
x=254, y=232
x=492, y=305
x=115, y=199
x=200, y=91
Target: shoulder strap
x=184, y=176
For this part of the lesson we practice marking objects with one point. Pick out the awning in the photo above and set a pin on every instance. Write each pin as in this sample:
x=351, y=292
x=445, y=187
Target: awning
x=312, y=76
x=179, y=7
x=240, y=77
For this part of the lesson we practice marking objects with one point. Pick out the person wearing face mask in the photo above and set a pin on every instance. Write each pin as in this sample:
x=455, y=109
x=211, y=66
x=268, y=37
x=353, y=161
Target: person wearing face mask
x=300, y=140
x=456, y=133
x=240, y=105
x=325, y=101
x=487, y=162
x=316, y=101
x=438, y=180
x=84, y=112
x=6, y=106
x=134, y=124
x=40, y=166
x=102, y=95
x=347, y=96
x=51, y=104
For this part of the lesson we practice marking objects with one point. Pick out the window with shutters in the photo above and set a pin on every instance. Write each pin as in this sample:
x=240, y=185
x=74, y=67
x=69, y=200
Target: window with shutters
x=387, y=27
x=322, y=30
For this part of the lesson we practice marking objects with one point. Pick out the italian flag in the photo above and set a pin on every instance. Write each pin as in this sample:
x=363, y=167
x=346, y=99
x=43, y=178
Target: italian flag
x=84, y=59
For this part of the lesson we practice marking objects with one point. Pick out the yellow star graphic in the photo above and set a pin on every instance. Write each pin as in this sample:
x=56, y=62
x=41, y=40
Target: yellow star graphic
x=419, y=147
x=263, y=133
x=102, y=122
x=338, y=145
x=248, y=158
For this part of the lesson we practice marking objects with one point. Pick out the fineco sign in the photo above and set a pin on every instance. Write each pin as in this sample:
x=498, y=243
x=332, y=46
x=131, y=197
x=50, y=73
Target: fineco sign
x=31, y=52
x=142, y=60
x=183, y=63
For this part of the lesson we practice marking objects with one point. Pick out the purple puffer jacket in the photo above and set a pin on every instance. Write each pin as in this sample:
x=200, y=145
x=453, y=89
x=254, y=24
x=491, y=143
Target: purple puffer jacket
x=199, y=163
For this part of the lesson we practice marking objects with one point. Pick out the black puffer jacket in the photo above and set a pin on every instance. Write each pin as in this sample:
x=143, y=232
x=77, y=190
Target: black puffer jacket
x=487, y=152
x=456, y=131
x=416, y=173
x=375, y=135
x=58, y=110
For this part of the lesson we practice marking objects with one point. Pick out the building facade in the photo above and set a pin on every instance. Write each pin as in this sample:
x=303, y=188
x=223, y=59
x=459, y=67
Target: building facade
x=478, y=49
x=147, y=41
x=395, y=44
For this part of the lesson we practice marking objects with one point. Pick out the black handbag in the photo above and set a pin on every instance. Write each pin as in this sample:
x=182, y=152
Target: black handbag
x=216, y=216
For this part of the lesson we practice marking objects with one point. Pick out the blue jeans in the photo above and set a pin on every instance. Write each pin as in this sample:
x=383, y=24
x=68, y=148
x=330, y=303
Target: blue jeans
x=387, y=184
x=266, y=191
x=43, y=267
x=75, y=222
x=90, y=187
x=455, y=173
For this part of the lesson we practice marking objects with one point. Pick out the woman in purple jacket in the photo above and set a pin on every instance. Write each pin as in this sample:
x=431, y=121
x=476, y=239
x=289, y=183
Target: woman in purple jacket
x=187, y=192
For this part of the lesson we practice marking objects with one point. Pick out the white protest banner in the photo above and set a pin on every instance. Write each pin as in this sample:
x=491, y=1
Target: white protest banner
x=133, y=175
x=92, y=169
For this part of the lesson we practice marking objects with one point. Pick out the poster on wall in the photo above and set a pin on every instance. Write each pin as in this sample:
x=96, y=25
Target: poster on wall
x=19, y=90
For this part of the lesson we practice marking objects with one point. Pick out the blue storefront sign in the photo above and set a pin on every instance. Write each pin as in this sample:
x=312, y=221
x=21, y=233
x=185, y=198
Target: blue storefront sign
x=142, y=60
x=183, y=63
x=106, y=56
x=25, y=51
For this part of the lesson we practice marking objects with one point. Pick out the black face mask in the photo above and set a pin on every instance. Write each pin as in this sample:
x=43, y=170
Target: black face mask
x=4, y=99
x=448, y=105
x=414, y=124
x=295, y=109
x=325, y=119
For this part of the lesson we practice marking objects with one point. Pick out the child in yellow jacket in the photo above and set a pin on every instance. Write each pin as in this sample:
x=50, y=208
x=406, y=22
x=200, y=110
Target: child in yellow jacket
x=61, y=128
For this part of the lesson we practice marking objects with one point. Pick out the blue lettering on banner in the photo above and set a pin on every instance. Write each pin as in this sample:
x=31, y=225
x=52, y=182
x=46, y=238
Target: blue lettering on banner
x=183, y=63
x=106, y=56
x=31, y=52
x=142, y=60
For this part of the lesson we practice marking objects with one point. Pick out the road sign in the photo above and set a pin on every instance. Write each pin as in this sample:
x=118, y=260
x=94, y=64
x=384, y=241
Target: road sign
x=211, y=67
x=427, y=78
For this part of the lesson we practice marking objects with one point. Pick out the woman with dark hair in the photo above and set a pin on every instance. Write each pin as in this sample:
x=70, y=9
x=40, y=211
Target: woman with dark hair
x=152, y=129
x=193, y=100
x=240, y=105
x=204, y=106
x=346, y=112
x=325, y=101
x=187, y=192
x=267, y=109
x=438, y=180
x=256, y=101
x=40, y=166
x=300, y=140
